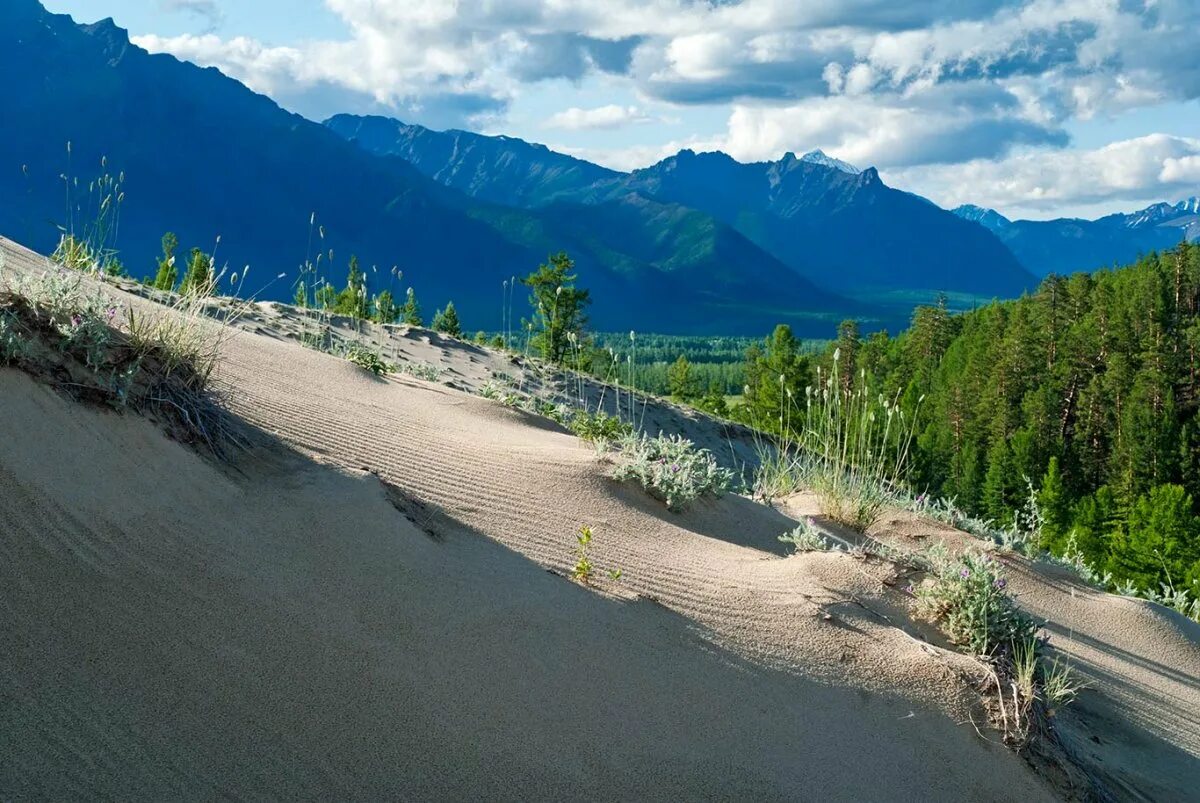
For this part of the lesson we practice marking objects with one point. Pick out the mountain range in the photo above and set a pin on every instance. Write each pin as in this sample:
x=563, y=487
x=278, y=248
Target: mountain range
x=1066, y=245
x=697, y=243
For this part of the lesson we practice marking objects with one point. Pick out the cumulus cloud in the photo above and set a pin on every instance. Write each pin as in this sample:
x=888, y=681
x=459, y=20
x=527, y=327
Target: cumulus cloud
x=893, y=83
x=611, y=116
x=1039, y=183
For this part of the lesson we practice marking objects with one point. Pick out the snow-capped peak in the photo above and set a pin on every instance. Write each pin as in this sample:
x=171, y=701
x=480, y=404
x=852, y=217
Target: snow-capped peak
x=819, y=157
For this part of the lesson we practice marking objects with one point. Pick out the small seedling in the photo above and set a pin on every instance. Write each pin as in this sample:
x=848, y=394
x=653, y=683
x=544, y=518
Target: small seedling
x=583, y=564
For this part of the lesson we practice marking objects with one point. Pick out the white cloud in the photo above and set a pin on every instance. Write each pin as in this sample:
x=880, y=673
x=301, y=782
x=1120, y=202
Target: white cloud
x=1042, y=183
x=611, y=116
x=893, y=83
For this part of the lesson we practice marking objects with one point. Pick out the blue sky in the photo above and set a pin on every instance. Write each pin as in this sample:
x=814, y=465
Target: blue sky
x=1038, y=108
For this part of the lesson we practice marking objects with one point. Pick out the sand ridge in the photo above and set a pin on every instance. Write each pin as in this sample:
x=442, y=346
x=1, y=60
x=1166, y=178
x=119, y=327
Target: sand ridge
x=291, y=601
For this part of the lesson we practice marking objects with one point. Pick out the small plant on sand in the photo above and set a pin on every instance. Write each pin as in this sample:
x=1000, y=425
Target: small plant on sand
x=491, y=390
x=599, y=427
x=968, y=599
x=367, y=359
x=806, y=537
x=430, y=373
x=671, y=469
x=582, y=571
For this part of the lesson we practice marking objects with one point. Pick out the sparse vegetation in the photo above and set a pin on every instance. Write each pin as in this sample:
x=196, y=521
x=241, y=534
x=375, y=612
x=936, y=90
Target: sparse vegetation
x=582, y=570
x=66, y=330
x=807, y=537
x=671, y=469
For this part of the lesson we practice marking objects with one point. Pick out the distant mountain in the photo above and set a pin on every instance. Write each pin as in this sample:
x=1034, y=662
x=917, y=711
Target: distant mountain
x=1067, y=245
x=503, y=170
x=840, y=228
x=818, y=157
x=202, y=155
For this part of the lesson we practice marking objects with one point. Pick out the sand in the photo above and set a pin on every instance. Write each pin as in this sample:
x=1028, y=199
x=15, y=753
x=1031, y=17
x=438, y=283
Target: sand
x=360, y=607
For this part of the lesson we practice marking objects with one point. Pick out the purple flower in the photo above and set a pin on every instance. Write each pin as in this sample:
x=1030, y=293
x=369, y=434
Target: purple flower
x=909, y=588
x=674, y=467
x=76, y=320
x=1000, y=583
x=965, y=573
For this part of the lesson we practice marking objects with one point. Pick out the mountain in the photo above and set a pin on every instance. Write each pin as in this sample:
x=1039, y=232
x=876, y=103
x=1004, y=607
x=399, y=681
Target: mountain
x=1067, y=245
x=851, y=230
x=204, y=156
x=818, y=157
x=503, y=170
x=838, y=227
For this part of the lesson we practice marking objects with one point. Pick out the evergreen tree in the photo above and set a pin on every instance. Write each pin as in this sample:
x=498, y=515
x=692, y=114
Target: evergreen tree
x=558, y=307
x=1001, y=484
x=325, y=296
x=199, y=279
x=777, y=375
x=682, y=383
x=385, y=308
x=353, y=300
x=1159, y=542
x=410, y=310
x=167, y=274
x=1055, y=508
x=446, y=321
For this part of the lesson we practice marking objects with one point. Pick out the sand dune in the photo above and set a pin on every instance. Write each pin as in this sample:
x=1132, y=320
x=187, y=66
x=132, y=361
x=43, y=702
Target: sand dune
x=359, y=607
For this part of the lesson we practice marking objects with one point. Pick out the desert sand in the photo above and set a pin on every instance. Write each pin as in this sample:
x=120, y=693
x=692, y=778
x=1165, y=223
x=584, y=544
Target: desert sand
x=371, y=602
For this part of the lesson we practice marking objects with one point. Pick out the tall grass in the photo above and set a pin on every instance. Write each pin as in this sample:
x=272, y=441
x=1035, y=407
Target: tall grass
x=850, y=446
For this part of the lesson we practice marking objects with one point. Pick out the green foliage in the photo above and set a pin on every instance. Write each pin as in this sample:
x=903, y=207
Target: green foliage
x=385, y=310
x=848, y=444
x=683, y=384
x=777, y=374
x=582, y=570
x=353, y=300
x=968, y=599
x=671, y=469
x=1159, y=540
x=806, y=537
x=599, y=427
x=199, y=280
x=410, y=310
x=1089, y=386
x=446, y=321
x=367, y=359
x=558, y=307
x=167, y=274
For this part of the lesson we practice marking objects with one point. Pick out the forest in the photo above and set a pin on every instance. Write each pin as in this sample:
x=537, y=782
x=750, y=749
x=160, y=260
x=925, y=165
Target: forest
x=1084, y=393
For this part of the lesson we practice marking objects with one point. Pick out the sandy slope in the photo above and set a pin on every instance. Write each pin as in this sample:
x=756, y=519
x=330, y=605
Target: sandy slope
x=280, y=628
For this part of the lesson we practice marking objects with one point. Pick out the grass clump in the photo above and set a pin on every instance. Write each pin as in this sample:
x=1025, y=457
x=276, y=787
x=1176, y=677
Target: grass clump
x=849, y=445
x=68, y=332
x=671, y=468
x=367, y=359
x=599, y=427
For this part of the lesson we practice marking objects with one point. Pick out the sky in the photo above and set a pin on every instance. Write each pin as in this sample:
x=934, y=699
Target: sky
x=1036, y=108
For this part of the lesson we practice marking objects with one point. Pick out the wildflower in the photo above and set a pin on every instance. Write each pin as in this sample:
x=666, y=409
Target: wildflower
x=965, y=573
x=1000, y=583
x=76, y=320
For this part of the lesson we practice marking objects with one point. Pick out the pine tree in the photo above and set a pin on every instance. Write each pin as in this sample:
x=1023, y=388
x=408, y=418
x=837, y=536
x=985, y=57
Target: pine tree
x=385, y=308
x=1001, y=484
x=198, y=280
x=167, y=274
x=558, y=307
x=1055, y=508
x=1159, y=544
x=776, y=377
x=682, y=384
x=410, y=310
x=446, y=321
x=353, y=300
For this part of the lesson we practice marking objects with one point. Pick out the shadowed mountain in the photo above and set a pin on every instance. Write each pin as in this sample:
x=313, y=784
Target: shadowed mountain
x=204, y=156
x=841, y=228
x=1067, y=245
